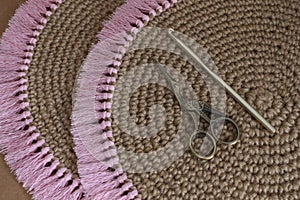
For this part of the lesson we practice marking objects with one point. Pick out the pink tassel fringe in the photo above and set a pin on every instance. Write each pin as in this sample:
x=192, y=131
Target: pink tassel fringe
x=27, y=156
x=94, y=162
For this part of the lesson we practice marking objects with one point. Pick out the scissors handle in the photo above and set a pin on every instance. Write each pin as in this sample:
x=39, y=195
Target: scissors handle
x=211, y=139
x=223, y=121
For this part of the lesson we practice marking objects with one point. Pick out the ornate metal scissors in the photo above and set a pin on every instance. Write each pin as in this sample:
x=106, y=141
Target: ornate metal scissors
x=236, y=96
x=197, y=109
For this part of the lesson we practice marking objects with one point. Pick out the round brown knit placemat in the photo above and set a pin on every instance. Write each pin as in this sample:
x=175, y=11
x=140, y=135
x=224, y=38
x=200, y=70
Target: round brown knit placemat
x=255, y=45
x=58, y=55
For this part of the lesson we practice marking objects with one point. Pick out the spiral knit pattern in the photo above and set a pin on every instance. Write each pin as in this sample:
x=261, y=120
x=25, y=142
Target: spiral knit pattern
x=59, y=53
x=255, y=45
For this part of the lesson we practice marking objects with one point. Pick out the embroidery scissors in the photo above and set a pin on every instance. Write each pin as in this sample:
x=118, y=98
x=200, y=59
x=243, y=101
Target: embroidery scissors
x=235, y=95
x=197, y=109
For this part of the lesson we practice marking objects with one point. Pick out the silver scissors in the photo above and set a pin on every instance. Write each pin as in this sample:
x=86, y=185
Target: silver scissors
x=197, y=109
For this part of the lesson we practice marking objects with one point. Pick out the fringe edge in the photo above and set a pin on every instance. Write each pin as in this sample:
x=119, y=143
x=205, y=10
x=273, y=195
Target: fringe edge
x=94, y=168
x=27, y=155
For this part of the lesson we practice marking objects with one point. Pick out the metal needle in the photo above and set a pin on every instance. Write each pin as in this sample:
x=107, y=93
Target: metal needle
x=238, y=98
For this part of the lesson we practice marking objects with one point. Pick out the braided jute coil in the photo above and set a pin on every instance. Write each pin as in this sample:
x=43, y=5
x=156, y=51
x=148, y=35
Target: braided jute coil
x=255, y=45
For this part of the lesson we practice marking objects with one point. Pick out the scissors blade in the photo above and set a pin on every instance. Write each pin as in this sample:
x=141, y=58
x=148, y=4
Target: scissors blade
x=167, y=74
x=209, y=110
x=188, y=104
x=172, y=83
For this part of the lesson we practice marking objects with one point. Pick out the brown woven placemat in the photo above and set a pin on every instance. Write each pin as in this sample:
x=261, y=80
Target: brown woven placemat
x=255, y=45
x=58, y=55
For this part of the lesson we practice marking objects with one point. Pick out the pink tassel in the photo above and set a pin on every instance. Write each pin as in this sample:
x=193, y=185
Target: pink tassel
x=143, y=6
x=16, y=138
x=103, y=106
x=103, y=115
x=29, y=160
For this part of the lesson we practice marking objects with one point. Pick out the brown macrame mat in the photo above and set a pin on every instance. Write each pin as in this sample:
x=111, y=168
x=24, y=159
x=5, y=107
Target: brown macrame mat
x=255, y=45
x=60, y=51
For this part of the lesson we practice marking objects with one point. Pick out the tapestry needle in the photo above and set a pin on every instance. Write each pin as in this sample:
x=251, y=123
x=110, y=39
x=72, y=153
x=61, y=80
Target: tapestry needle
x=236, y=96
